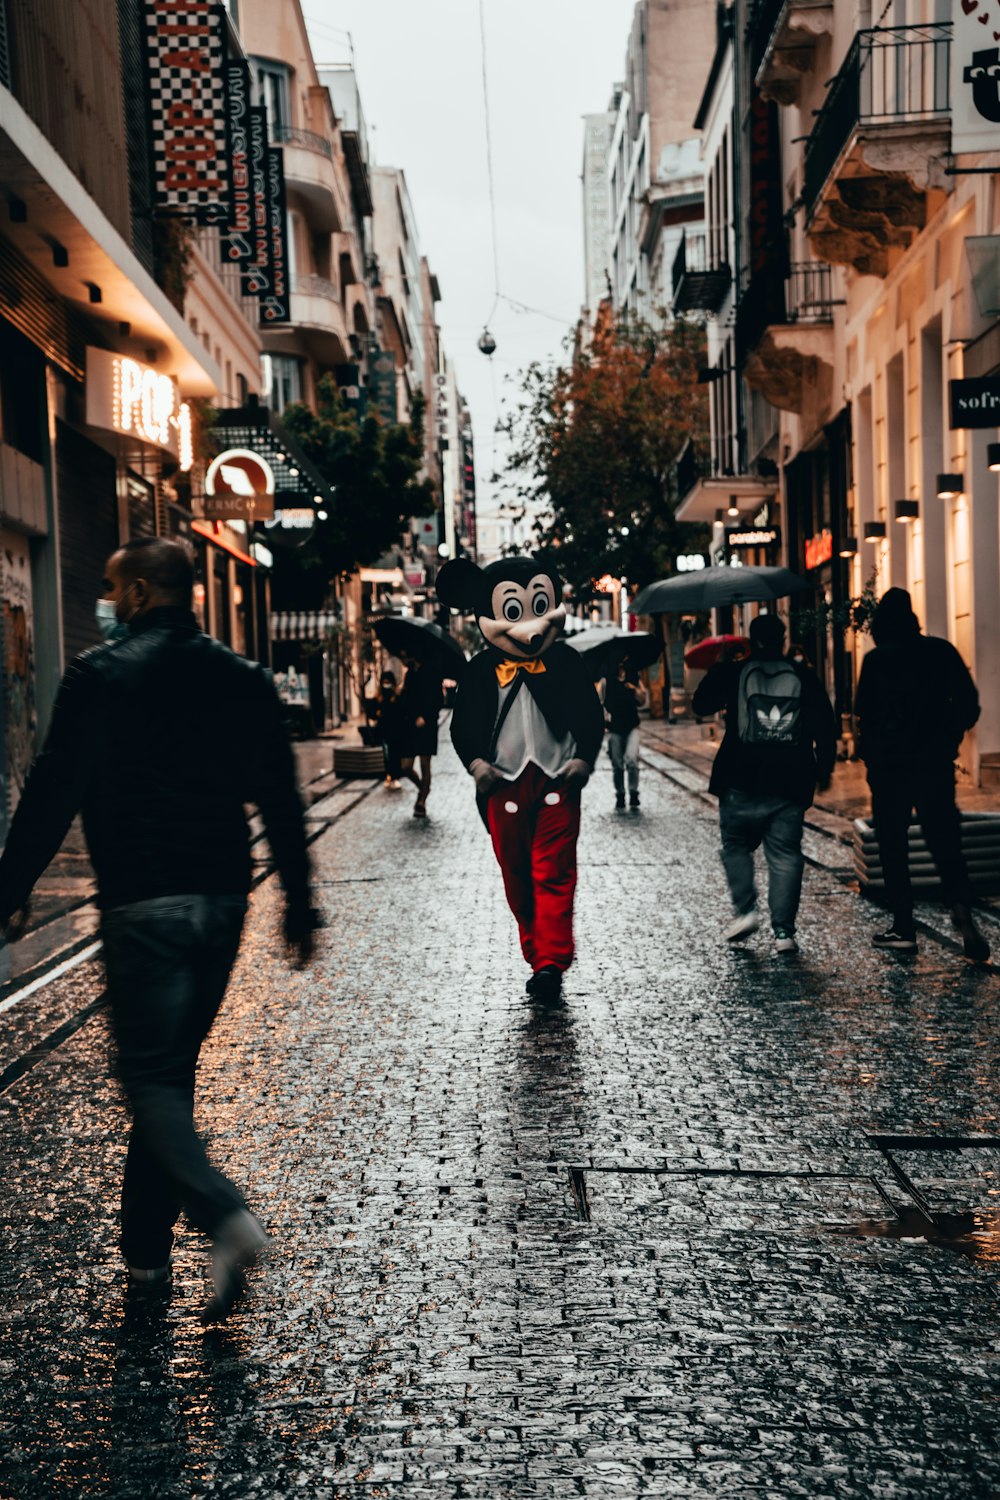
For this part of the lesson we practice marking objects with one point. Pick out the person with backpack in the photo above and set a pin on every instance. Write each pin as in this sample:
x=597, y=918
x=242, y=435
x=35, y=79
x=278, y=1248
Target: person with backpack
x=915, y=701
x=780, y=744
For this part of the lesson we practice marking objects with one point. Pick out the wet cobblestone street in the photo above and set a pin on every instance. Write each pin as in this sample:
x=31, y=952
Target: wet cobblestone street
x=642, y=1246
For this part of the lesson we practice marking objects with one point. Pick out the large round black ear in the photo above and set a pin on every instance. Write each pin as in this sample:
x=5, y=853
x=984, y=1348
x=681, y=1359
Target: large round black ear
x=460, y=584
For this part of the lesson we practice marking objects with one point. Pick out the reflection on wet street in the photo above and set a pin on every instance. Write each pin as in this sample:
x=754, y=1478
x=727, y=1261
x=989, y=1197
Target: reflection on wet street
x=730, y=1292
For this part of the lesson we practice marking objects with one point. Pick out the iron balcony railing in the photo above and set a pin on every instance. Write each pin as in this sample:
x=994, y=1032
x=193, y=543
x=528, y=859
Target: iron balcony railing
x=809, y=293
x=890, y=74
x=696, y=285
x=762, y=18
x=288, y=135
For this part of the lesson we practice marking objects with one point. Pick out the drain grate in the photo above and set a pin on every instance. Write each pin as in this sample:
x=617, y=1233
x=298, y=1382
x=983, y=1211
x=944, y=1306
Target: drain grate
x=738, y=1197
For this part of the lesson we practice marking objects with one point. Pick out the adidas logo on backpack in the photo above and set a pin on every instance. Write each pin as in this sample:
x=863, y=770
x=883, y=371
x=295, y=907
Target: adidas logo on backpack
x=769, y=708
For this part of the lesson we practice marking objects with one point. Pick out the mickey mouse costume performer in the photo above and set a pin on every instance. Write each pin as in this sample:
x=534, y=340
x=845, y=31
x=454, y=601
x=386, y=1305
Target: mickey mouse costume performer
x=527, y=726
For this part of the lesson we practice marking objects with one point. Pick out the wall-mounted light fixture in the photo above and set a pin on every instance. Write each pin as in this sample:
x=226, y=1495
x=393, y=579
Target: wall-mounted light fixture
x=734, y=509
x=907, y=510
x=849, y=546
x=993, y=457
x=874, y=531
x=950, y=486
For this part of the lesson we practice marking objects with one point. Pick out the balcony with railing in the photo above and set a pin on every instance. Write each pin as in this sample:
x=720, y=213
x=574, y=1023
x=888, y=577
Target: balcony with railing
x=696, y=284
x=311, y=172
x=789, y=358
x=873, y=171
x=784, y=36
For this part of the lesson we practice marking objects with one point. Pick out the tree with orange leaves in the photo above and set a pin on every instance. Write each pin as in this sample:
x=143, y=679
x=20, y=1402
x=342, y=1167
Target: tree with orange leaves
x=595, y=445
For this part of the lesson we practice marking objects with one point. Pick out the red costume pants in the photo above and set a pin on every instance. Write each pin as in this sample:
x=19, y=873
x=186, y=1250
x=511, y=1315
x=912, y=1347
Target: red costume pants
x=534, y=823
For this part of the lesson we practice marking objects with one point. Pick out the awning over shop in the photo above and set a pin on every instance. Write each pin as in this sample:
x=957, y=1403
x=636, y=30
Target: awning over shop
x=302, y=625
x=742, y=492
x=297, y=483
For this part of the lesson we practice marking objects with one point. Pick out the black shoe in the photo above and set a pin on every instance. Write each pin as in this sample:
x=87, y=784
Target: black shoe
x=545, y=985
x=633, y=802
x=899, y=942
x=238, y=1246
x=620, y=802
x=974, y=945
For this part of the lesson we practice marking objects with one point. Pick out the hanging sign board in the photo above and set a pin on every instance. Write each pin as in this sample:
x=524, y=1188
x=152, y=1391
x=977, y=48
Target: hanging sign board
x=138, y=401
x=975, y=403
x=275, y=306
x=382, y=384
x=256, y=276
x=238, y=245
x=739, y=539
x=975, y=71
x=185, y=55
x=239, y=485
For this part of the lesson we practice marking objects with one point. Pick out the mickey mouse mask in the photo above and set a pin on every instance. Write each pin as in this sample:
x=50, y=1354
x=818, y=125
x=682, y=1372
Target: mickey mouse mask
x=516, y=601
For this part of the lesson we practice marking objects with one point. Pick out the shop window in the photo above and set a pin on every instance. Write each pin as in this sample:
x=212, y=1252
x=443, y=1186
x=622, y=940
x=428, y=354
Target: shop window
x=22, y=393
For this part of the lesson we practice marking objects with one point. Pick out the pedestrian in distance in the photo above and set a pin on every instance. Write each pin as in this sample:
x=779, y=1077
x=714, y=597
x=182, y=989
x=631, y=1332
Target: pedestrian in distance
x=915, y=702
x=528, y=727
x=421, y=702
x=159, y=739
x=780, y=744
x=386, y=717
x=623, y=696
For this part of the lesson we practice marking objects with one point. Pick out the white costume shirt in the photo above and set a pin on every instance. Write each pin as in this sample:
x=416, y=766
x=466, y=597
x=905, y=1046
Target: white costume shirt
x=525, y=736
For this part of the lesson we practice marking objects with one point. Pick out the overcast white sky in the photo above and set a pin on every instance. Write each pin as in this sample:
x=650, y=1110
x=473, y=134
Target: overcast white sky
x=419, y=69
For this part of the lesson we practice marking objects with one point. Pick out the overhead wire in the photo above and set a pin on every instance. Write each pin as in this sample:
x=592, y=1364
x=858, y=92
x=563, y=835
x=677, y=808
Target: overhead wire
x=489, y=162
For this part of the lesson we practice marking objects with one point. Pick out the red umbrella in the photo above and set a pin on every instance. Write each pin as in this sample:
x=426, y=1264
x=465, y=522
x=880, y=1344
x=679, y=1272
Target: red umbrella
x=706, y=653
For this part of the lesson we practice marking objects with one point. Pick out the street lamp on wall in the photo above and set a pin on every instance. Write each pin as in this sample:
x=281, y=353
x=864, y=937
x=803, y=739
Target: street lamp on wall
x=874, y=531
x=849, y=547
x=907, y=510
x=993, y=457
x=950, y=486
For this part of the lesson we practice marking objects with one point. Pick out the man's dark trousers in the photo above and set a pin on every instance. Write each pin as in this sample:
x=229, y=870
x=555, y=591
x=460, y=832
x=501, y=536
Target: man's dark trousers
x=928, y=788
x=168, y=962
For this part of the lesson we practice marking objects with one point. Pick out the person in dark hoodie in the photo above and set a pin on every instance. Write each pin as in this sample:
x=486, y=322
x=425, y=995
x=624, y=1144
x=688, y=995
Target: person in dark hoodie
x=780, y=742
x=915, y=701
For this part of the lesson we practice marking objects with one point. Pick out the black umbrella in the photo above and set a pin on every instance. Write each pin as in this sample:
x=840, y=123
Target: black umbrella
x=689, y=592
x=604, y=647
x=422, y=640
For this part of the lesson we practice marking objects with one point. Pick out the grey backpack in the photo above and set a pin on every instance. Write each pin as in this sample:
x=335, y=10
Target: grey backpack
x=769, y=709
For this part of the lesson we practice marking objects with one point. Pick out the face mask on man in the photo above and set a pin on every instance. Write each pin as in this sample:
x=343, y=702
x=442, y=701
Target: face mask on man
x=106, y=614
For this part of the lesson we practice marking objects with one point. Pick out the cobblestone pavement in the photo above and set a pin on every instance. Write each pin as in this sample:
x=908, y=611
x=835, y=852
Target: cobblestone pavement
x=642, y=1246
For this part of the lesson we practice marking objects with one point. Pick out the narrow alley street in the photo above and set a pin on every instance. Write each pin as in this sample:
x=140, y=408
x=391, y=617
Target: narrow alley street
x=644, y=1244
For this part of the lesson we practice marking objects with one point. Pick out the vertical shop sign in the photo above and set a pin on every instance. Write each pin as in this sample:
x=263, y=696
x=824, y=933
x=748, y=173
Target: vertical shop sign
x=382, y=384
x=975, y=70
x=275, y=304
x=238, y=245
x=256, y=276
x=185, y=57
x=768, y=249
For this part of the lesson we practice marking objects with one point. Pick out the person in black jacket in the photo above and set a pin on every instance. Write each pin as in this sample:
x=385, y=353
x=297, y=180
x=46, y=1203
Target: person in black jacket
x=915, y=701
x=780, y=743
x=527, y=726
x=421, y=702
x=159, y=739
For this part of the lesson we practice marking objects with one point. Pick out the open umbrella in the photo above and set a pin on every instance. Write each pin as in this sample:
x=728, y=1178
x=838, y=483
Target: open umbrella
x=423, y=641
x=686, y=593
x=603, y=647
x=706, y=653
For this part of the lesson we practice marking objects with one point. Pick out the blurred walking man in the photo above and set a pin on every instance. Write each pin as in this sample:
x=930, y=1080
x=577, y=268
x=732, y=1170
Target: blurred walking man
x=780, y=743
x=916, y=699
x=159, y=738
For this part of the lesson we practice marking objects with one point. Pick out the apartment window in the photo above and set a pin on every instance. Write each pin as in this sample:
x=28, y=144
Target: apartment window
x=282, y=381
x=271, y=90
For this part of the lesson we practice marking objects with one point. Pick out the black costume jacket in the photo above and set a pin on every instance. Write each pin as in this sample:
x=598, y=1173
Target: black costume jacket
x=159, y=740
x=564, y=692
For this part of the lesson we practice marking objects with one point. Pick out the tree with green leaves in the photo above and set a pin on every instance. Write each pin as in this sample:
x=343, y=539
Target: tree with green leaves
x=374, y=470
x=595, y=444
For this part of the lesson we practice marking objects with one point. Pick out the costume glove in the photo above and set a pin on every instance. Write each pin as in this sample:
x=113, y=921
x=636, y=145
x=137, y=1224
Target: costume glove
x=576, y=774
x=485, y=776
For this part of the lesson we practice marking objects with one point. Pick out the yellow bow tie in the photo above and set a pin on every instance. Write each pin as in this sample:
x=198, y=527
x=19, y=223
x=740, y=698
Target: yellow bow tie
x=507, y=670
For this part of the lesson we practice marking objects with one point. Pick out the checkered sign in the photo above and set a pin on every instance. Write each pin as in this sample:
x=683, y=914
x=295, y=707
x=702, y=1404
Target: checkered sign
x=185, y=57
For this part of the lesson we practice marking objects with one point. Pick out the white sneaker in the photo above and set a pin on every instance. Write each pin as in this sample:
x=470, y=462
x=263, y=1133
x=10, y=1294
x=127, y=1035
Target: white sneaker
x=741, y=927
x=239, y=1244
x=784, y=941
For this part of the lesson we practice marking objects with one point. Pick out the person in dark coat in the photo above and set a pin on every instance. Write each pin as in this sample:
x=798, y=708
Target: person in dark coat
x=780, y=744
x=915, y=702
x=159, y=739
x=527, y=727
x=420, y=703
x=623, y=696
